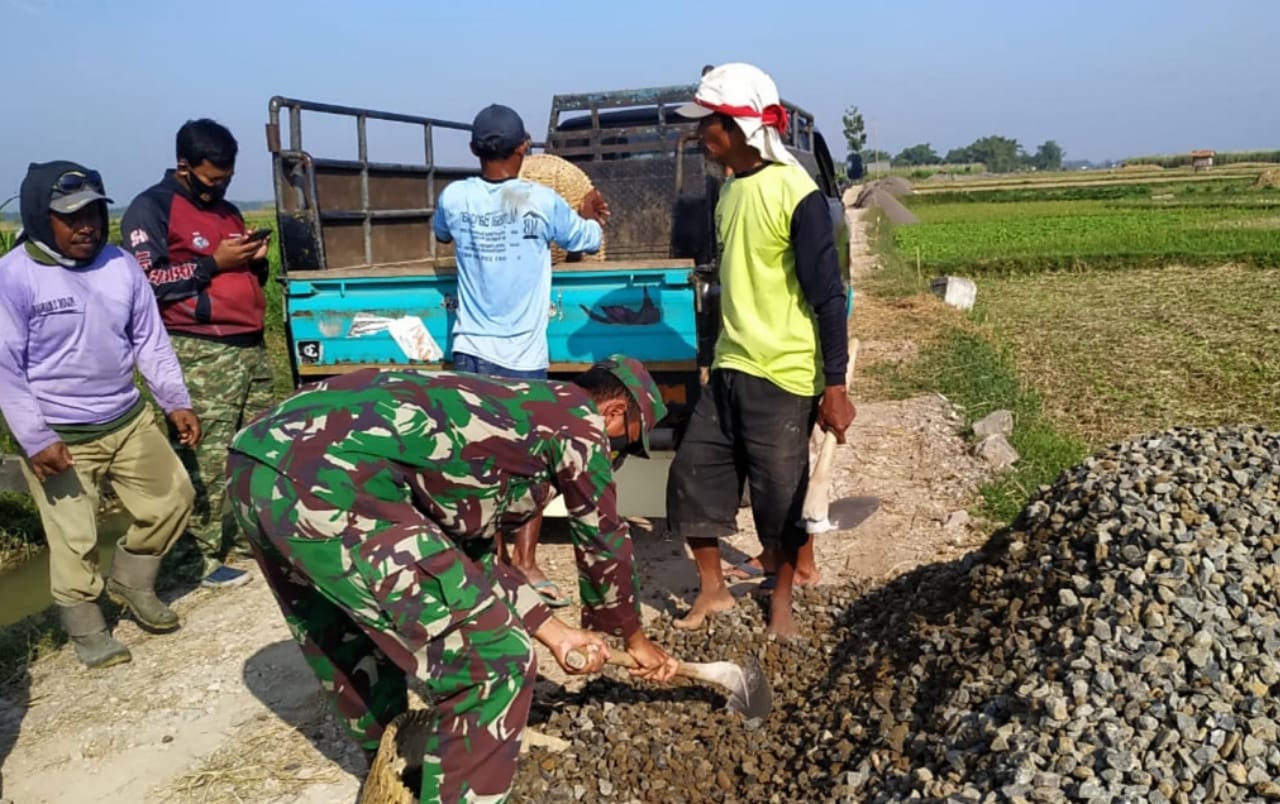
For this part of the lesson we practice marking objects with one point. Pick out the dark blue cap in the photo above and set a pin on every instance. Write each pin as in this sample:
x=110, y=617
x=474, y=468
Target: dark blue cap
x=499, y=125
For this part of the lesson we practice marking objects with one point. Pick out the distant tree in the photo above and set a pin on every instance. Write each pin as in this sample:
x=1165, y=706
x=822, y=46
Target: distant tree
x=922, y=154
x=855, y=130
x=877, y=156
x=999, y=154
x=1048, y=156
x=958, y=156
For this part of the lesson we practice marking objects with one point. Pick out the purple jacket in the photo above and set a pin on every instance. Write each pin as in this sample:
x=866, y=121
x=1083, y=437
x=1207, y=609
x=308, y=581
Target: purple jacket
x=69, y=340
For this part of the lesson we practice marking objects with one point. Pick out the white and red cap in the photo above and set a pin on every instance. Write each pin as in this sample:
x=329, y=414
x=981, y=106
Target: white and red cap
x=748, y=95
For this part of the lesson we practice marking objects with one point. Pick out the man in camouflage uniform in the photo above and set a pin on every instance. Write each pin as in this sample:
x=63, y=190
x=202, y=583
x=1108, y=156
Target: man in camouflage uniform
x=371, y=502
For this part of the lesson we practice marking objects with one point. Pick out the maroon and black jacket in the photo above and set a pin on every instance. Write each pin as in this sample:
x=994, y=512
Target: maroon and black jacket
x=173, y=237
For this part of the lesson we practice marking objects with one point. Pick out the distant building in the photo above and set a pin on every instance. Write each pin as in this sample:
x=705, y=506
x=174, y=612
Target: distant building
x=1201, y=160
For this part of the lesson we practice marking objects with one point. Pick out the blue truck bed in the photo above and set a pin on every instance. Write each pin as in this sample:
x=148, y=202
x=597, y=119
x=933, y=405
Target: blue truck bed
x=643, y=309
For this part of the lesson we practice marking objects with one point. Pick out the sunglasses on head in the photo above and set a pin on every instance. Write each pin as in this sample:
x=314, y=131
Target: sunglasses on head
x=74, y=181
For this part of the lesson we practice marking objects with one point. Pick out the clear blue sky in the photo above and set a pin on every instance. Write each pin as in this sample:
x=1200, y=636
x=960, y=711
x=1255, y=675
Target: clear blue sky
x=108, y=82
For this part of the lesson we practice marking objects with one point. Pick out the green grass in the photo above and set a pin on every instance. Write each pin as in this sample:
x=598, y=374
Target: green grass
x=20, y=528
x=26, y=640
x=8, y=233
x=1139, y=190
x=967, y=368
x=964, y=363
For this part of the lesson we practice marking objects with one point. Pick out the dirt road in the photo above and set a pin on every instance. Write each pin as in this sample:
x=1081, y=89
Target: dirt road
x=226, y=711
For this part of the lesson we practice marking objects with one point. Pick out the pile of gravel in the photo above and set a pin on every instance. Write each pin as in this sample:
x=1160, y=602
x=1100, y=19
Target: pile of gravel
x=883, y=194
x=1119, y=642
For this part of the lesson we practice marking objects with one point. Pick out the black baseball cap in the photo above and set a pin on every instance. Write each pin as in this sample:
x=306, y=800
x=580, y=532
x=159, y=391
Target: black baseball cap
x=498, y=126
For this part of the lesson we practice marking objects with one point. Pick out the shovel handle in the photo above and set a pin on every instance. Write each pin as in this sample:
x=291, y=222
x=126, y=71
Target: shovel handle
x=620, y=658
x=740, y=696
x=817, y=498
x=577, y=661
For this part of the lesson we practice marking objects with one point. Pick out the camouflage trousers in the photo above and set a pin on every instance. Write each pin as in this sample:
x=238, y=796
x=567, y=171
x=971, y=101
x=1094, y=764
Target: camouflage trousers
x=229, y=385
x=376, y=594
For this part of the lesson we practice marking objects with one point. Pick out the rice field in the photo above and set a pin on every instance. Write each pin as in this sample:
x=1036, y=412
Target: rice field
x=1023, y=231
x=1104, y=311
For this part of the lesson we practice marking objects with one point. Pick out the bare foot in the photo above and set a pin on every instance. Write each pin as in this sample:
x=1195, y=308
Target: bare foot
x=803, y=579
x=782, y=624
x=532, y=574
x=706, y=604
x=543, y=585
x=807, y=576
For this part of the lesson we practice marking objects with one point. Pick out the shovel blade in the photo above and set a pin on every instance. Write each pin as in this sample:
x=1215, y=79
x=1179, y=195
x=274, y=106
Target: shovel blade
x=843, y=514
x=750, y=693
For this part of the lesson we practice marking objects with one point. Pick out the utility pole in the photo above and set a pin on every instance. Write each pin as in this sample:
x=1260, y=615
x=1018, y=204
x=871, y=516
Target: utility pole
x=875, y=148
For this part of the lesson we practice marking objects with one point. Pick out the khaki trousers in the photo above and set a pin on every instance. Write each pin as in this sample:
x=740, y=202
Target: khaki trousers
x=151, y=483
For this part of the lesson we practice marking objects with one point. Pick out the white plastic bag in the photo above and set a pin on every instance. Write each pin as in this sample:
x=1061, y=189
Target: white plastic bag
x=409, y=332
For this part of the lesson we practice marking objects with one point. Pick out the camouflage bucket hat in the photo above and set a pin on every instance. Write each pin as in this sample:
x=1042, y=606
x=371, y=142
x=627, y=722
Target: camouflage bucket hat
x=638, y=382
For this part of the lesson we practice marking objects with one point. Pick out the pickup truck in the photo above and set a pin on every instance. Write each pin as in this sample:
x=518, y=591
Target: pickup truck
x=358, y=254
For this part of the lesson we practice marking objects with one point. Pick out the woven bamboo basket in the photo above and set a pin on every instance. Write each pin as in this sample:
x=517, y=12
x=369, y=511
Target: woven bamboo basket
x=396, y=773
x=568, y=180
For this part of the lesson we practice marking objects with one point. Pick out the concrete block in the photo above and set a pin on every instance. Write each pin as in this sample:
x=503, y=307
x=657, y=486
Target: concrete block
x=999, y=422
x=998, y=452
x=956, y=291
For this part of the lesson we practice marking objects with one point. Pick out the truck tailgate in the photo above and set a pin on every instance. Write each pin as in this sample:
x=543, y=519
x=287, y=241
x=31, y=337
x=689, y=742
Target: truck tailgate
x=644, y=310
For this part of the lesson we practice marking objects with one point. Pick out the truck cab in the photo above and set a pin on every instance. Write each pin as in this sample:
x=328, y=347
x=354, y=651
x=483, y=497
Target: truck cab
x=646, y=160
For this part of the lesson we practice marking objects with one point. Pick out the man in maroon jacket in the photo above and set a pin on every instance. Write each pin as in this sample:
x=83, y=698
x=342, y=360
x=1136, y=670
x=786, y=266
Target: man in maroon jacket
x=208, y=275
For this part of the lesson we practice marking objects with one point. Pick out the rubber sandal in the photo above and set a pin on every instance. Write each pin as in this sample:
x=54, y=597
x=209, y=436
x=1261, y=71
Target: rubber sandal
x=743, y=571
x=553, y=602
x=771, y=582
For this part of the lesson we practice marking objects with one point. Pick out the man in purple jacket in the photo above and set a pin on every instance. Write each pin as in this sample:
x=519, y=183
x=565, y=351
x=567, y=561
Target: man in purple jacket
x=76, y=316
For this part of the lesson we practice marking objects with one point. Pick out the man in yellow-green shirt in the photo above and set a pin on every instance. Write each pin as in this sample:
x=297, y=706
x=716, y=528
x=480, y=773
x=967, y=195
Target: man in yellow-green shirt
x=782, y=353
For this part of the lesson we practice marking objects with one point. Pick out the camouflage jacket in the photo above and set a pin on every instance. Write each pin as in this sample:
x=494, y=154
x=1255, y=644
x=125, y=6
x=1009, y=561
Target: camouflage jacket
x=476, y=456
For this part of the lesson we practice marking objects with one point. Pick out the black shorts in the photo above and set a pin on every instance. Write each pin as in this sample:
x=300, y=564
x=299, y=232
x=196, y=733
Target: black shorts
x=744, y=428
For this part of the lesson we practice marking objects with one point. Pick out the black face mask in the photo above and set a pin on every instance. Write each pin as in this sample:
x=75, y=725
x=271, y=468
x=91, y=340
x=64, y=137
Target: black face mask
x=214, y=192
x=619, y=448
x=622, y=446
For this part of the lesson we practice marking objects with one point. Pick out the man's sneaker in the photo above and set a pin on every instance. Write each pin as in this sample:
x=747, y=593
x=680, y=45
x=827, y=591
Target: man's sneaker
x=225, y=577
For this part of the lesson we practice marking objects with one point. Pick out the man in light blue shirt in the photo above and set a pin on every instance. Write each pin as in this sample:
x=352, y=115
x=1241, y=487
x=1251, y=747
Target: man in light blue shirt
x=502, y=228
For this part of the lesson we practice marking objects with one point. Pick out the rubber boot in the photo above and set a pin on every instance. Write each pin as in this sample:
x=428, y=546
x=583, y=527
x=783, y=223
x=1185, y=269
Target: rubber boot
x=88, y=631
x=132, y=585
